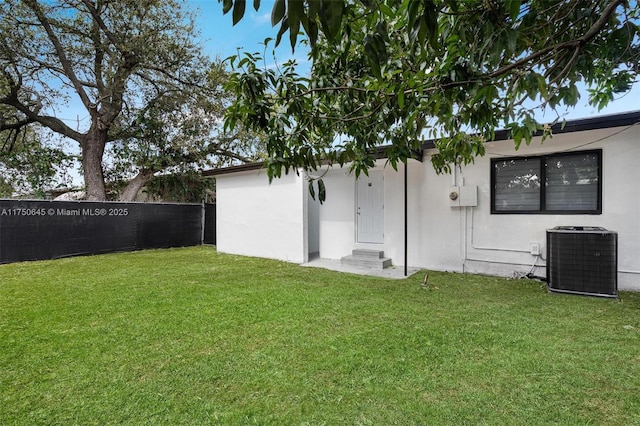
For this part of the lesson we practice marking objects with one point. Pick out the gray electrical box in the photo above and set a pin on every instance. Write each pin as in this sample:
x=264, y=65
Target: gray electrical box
x=463, y=196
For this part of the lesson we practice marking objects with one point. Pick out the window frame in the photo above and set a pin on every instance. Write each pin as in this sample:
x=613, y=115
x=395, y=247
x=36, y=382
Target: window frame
x=544, y=159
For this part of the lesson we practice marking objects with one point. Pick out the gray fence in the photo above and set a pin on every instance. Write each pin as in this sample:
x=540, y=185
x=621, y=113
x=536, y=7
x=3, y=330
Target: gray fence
x=209, y=224
x=38, y=230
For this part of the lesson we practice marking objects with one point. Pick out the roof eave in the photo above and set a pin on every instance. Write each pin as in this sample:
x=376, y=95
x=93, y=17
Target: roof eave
x=570, y=126
x=233, y=169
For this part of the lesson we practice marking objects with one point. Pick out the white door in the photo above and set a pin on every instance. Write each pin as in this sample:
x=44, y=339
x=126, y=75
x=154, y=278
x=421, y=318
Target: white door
x=370, y=208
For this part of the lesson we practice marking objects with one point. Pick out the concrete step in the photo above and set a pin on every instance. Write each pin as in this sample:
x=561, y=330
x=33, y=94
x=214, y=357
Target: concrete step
x=367, y=253
x=362, y=258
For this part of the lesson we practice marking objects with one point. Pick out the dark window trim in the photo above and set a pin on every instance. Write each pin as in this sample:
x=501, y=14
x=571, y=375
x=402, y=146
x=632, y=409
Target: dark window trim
x=543, y=179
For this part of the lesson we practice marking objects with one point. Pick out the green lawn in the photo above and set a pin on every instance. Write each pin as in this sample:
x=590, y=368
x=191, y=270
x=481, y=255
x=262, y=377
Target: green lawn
x=191, y=336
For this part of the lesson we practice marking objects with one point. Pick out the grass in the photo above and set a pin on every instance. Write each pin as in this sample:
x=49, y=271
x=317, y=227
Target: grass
x=191, y=336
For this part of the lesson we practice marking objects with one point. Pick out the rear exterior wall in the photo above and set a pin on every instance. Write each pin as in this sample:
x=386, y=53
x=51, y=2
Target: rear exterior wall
x=255, y=218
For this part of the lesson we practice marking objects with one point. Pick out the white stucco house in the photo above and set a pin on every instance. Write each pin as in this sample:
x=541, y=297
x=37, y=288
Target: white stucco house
x=490, y=217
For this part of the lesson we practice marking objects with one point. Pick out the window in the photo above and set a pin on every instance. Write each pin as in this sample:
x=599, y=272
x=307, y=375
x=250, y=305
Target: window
x=567, y=183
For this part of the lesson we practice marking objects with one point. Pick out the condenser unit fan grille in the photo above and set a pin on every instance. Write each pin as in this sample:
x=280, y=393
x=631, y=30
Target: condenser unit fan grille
x=582, y=260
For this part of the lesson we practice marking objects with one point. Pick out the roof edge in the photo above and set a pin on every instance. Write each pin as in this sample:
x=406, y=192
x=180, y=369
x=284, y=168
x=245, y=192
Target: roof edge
x=233, y=169
x=577, y=125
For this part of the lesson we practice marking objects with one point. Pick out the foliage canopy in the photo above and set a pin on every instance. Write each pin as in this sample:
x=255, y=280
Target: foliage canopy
x=397, y=72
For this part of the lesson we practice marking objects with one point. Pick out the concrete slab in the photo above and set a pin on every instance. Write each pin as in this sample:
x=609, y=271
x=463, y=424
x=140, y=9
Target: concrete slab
x=392, y=272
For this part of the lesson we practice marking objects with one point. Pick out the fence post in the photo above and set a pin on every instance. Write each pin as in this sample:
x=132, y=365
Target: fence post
x=204, y=222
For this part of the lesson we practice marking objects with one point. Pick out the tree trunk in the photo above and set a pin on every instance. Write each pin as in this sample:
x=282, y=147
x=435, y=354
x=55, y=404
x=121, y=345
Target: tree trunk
x=92, y=152
x=135, y=185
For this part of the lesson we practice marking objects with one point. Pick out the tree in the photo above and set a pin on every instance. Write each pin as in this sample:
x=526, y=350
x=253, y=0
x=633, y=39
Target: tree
x=29, y=166
x=401, y=71
x=127, y=62
x=177, y=134
x=190, y=187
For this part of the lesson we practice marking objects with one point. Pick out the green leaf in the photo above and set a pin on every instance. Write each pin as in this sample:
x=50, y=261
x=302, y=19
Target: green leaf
x=295, y=14
x=372, y=57
x=381, y=47
x=226, y=6
x=322, y=192
x=311, y=28
x=256, y=5
x=283, y=29
x=238, y=11
x=386, y=10
x=413, y=8
x=331, y=12
x=314, y=9
x=312, y=191
x=513, y=6
x=516, y=134
x=277, y=13
x=542, y=87
x=430, y=18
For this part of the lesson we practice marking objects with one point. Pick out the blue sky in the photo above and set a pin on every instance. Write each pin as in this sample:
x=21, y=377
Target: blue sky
x=222, y=39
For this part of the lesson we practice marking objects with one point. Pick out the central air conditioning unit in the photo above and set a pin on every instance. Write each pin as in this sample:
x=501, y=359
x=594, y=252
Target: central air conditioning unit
x=582, y=260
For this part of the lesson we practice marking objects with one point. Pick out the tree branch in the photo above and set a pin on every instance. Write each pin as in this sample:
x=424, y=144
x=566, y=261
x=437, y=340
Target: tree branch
x=16, y=125
x=97, y=19
x=134, y=186
x=53, y=123
x=577, y=43
x=64, y=61
x=214, y=149
x=98, y=57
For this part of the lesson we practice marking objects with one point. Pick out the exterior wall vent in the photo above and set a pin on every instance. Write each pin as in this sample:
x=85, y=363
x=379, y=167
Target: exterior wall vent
x=582, y=260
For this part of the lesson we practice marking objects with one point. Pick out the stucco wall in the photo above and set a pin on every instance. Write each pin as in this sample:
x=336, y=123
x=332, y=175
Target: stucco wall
x=279, y=221
x=474, y=240
x=255, y=218
x=337, y=215
x=471, y=239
